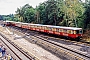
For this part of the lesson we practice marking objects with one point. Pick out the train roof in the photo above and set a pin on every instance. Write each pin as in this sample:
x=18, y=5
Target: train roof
x=69, y=28
x=8, y=21
x=24, y=23
x=39, y=24
x=61, y=27
x=18, y=22
x=35, y=24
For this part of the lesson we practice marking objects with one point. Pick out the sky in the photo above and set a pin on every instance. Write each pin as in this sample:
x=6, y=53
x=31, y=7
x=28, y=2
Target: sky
x=10, y=6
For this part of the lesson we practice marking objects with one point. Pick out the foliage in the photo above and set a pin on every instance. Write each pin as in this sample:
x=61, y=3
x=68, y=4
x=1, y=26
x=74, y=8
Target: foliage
x=25, y=13
x=29, y=15
x=10, y=17
x=87, y=15
x=74, y=13
x=73, y=9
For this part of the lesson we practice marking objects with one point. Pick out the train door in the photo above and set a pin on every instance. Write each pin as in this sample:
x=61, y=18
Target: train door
x=50, y=30
x=57, y=31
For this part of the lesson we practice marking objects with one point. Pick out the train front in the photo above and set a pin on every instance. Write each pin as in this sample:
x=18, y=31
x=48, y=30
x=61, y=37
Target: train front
x=79, y=33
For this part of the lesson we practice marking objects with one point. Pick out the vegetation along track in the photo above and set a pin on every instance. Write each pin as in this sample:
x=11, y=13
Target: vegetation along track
x=19, y=49
x=55, y=48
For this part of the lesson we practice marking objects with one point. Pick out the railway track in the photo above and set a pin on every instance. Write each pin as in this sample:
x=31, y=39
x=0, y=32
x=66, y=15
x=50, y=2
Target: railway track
x=18, y=52
x=57, y=48
x=49, y=37
x=58, y=45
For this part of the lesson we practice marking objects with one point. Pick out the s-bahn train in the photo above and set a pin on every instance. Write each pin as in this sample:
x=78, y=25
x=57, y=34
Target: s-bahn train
x=69, y=32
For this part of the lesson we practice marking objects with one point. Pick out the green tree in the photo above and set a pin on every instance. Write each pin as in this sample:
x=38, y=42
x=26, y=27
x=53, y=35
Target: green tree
x=29, y=15
x=19, y=14
x=87, y=14
x=73, y=8
x=23, y=13
x=51, y=12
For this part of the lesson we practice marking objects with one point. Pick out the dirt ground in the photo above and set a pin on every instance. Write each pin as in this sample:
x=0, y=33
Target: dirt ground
x=86, y=35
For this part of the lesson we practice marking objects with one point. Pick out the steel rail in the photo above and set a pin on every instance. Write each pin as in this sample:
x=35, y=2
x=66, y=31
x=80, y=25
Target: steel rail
x=23, y=52
x=63, y=47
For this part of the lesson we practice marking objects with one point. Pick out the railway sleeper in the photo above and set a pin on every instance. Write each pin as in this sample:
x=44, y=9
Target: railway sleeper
x=61, y=52
x=72, y=57
x=53, y=48
x=34, y=41
x=48, y=46
x=42, y=44
x=45, y=45
x=39, y=43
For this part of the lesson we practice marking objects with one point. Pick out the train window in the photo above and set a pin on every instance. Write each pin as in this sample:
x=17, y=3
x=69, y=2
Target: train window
x=42, y=27
x=65, y=31
x=49, y=28
x=38, y=27
x=69, y=31
x=35, y=26
x=77, y=31
x=53, y=29
x=74, y=32
x=57, y=30
x=60, y=30
x=80, y=31
x=45, y=28
x=32, y=26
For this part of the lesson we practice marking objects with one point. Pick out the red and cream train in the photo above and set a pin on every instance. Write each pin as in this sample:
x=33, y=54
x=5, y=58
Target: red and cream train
x=70, y=32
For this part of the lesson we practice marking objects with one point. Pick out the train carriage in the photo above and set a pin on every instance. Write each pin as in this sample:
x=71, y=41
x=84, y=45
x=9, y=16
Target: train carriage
x=37, y=27
x=42, y=28
x=70, y=32
x=18, y=24
x=7, y=23
x=13, y=23
x=34, y=27
x=66, y=31
x=24, y=25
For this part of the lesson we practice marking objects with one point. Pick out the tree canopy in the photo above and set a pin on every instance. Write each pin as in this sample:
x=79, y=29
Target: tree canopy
x=71, y=13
